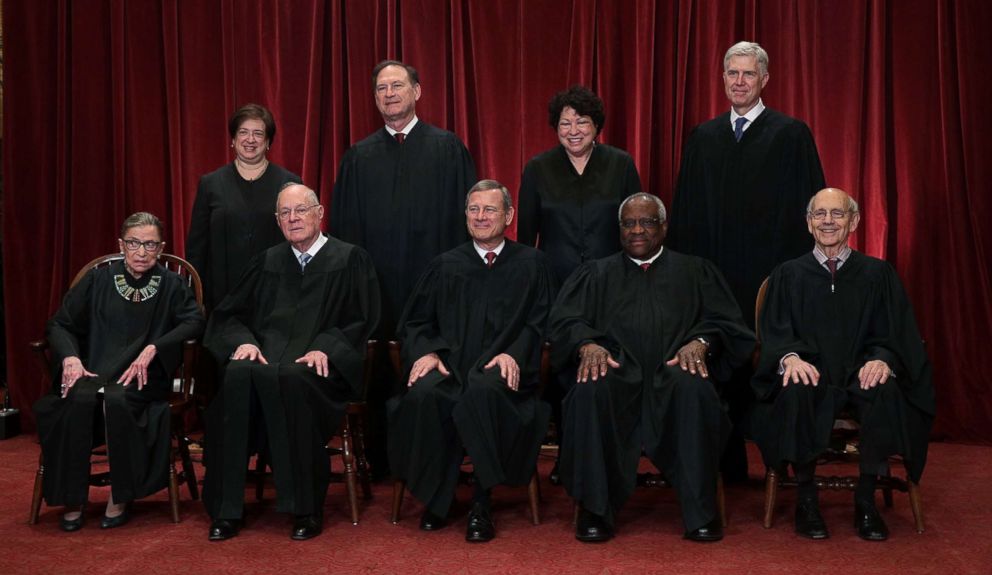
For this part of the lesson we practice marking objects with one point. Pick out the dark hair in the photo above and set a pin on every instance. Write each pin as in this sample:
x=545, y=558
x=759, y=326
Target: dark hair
x=139, y=219
x=253, y=112
x=584, y=101
x=410, y=70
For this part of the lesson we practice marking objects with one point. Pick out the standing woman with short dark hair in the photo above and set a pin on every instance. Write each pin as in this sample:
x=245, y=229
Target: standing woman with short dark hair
x=233, y=214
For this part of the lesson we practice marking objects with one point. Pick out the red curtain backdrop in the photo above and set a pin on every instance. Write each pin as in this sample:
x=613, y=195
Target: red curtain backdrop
x=114, y=106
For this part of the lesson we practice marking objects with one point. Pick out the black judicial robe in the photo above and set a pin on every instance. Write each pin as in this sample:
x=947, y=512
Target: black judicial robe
x=867, y=316
x=332, y=307
x=468, y=313
x=643, y=318
x=404, y=203
x=107, y=333
x=573, y=217
x=741, y=204
x=232, y=221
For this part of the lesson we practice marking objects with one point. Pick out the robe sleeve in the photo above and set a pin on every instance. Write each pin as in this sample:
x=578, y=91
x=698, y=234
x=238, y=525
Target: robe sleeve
x=721, y=323
x=525, y=349
x=228, y=326
x=777, y=335
x=344, y=341
x=529, y=205
x=347, y=221
x=187, y=319
x=198, y=238
x=458, y=179
x=419, y=329
x=572, y=317
x=71, y=323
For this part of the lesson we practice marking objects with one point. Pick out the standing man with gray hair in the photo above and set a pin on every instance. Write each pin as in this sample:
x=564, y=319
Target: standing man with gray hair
x=399, y=194
x=745, y=178
x=648, y=331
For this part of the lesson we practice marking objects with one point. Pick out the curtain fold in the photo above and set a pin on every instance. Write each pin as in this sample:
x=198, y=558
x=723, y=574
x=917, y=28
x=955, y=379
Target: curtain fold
x=115, y=106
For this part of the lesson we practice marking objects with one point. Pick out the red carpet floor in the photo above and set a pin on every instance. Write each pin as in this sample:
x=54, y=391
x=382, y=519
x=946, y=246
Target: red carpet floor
x=956, y=497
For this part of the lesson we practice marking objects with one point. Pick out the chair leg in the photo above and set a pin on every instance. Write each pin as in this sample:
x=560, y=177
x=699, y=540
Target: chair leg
x=398, y=487
x=361, y=462
x=916, y=504
x=182, y=445
x=721, y=501
x=259, y=475
x=771, y=491
x=348, y=455
x=36, y=496
x=173, y=491
x=534, y=493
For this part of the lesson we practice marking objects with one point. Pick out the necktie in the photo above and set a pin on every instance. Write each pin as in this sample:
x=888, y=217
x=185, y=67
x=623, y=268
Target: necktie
x=490, y=258
x=645, y=266
x=400, y=136
x=739, y=127
x=832, y=266
x=304, y=260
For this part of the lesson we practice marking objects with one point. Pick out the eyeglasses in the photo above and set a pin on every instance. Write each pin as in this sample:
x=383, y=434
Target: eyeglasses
x=835, y=214
x=298, y=211
x=488, y=211
x=244, y=133
x=581, y=124
x=150, y=246
x=646, y=223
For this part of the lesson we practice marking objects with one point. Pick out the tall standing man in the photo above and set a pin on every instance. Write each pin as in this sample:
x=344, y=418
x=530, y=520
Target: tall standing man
x=399, y=194
x=745, y=178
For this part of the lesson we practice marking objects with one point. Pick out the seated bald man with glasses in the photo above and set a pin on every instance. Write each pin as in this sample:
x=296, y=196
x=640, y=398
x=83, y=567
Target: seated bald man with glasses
x=291, y=338
x=647, y=331
x=838, y=331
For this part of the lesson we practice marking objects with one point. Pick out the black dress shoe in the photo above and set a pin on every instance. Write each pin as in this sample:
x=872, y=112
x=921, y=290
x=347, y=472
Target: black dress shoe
x=480, y=524
x=307, y=526
x=111, y=522
x=869, y=523
x=592, y=528
x=712, y=531
x=221, y=529
x=431, y=522
x=809, y=522
x=73, y=524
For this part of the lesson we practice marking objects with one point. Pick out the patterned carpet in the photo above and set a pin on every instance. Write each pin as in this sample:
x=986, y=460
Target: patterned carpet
x=956, y=500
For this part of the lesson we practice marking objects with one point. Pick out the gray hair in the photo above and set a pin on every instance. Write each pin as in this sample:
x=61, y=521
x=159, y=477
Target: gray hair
x=662, y=214
x=310, y=194
x=487, y=185
x=852, y=206
x=748, y=49
x=139, y=219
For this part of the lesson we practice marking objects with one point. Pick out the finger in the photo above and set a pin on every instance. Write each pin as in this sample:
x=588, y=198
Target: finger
x=491, y=363
x=504, y=371
x=885, y=375
x=612, y=362
x=672, y=361
x=703, y=371
x=261, y=359
x=803, y=377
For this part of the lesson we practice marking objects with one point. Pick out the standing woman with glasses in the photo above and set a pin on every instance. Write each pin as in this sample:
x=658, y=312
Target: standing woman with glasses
x=119, y=330
x=232, y=215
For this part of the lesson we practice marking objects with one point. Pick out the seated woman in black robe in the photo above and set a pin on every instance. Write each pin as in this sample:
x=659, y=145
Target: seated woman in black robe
x=118, y=334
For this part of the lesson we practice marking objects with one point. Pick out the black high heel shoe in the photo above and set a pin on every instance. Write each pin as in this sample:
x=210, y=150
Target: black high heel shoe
x=111, y=522
x=76, y=524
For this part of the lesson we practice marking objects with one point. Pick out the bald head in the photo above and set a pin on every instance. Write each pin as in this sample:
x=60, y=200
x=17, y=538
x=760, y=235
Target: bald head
x=831, y=216
x=308, y=194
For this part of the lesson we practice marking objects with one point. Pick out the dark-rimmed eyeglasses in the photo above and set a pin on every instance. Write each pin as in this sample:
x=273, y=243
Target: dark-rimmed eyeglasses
x=150, y=246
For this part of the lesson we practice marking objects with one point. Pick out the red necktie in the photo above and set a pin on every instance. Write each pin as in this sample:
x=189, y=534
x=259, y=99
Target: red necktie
x=490, y=258
x=400, y=136
x=645, y=266
x=832, y=266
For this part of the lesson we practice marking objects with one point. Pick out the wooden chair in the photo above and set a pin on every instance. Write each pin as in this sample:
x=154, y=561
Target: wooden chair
x=533, y=487
x=843, y=448
x=179, y=401
x=352, y=450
